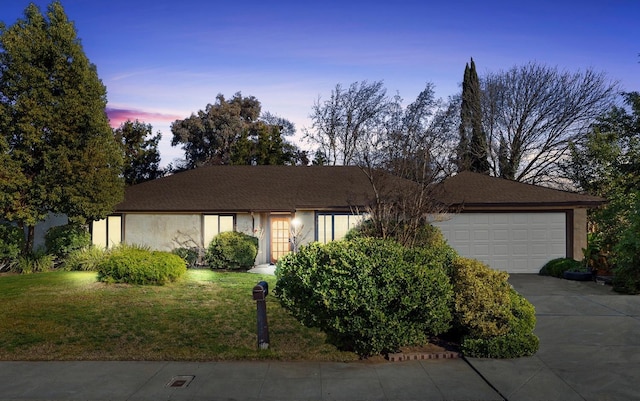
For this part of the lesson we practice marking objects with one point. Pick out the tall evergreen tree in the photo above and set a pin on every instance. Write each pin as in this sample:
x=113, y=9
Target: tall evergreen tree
x=57, y=151
x=472, y=149
x=140, y=148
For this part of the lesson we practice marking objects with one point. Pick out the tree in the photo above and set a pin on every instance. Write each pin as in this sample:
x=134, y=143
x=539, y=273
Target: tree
x=532, y=113
x=57, y=151
x=347, y=119
x=607, y=163
x=472, y=149
x=140, y=148
x=363, y=126
x=231, y=132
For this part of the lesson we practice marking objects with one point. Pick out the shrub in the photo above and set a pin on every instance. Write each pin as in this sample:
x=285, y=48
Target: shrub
x=36, y=262
x=232, y=250
x=626, y=277
x=369, y=295
x=189, y=255
x=85, y=259
x=11, y=245
x=491, y=317
x=62, y=240
x=133, y=265
x=556, y=267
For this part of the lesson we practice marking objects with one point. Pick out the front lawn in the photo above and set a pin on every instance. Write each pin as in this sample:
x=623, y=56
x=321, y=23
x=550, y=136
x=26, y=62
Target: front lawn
x=205, y=316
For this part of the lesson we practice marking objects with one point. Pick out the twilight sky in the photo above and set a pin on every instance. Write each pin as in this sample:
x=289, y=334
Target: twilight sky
x=162, y=60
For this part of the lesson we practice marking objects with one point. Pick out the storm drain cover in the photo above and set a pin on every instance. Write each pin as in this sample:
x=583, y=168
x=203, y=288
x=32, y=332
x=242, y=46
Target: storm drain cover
x=180, y=381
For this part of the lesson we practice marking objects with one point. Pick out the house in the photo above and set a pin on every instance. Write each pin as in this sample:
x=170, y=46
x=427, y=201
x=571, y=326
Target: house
x=512, y=226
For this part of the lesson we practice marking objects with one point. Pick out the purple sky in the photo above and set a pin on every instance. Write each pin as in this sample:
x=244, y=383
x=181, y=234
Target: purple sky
x=163, y=60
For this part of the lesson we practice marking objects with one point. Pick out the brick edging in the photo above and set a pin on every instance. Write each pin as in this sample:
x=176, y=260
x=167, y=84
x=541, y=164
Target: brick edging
x=414, y=356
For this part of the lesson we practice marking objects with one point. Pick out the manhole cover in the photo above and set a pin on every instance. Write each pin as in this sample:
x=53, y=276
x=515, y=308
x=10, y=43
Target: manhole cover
x=180, y=381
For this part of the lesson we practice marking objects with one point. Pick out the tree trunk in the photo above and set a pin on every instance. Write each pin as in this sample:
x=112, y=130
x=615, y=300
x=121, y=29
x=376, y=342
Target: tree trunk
x=31, y=233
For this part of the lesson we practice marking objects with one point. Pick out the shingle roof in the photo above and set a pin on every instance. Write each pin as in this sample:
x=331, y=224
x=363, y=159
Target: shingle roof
x=287, y=188
x=251, y=188
x=479, y=190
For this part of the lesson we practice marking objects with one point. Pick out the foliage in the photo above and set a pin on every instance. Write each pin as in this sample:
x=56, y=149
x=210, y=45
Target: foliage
x=62, y=240
x=369, y=295
x=84, y=259
x=607, y=163
x=230, y=132
x=11, y=244
x=57, y=150
x=532, y=112
x=627, y=254
x=556, y=267
x=133, y=265
x=189, y=255
x=140, y=149
x=34, y=262
x=472, y=149
x=492, y=319
x=232, y=250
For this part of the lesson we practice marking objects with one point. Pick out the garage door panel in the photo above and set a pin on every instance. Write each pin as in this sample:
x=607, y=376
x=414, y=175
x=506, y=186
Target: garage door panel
x=515, y=242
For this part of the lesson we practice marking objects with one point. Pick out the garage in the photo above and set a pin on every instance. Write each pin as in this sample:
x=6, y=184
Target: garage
x=510, y=225
x=516, y=242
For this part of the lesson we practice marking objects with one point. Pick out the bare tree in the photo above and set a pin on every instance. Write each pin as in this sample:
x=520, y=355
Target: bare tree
x=346, y=119
x=532, y=113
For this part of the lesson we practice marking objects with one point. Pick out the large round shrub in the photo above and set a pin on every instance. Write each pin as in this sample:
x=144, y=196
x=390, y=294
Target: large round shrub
x=140, y=266
x=492, y=318
x=232, y=250
x=369, y=295
x=62, y=240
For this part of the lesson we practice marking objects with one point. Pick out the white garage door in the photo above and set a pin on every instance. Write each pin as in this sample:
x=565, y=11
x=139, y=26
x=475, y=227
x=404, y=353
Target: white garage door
x=513, y=242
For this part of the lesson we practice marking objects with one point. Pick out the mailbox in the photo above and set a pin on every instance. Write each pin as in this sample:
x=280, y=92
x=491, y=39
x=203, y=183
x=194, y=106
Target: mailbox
x=260, y=291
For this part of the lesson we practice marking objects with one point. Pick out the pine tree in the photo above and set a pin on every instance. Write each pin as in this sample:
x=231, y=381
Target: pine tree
x=472, y=148
x=56, y=147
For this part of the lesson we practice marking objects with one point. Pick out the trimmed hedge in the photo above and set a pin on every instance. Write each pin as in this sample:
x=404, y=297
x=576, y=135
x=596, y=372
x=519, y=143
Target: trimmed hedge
x=139, y=266
x=492, y=318
x=232, y=250
x=369, y=295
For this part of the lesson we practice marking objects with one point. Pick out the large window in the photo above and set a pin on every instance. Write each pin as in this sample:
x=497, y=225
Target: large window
x=107, y=233
x=215, y=224
x=334, y=226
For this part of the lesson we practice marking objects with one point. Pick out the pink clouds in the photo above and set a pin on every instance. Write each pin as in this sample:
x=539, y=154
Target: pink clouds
x=118, y=116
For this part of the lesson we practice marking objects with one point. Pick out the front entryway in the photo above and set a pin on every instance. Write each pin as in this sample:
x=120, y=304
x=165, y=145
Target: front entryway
x=280, y=244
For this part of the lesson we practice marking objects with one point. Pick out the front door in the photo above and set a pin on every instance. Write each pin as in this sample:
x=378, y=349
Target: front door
x=280, y=245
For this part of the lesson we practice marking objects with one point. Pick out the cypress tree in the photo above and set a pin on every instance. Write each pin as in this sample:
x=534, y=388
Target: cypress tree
x=472, y=149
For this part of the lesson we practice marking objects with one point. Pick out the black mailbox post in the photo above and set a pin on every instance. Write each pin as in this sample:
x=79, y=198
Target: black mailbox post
x=260, y=292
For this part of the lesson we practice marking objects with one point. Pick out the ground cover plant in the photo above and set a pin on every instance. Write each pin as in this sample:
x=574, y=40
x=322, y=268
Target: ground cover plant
x=205, y=316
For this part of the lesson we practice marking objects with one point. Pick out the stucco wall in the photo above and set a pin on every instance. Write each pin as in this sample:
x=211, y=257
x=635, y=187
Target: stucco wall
x=307, y=229
x=162, y=231
x=579, y=232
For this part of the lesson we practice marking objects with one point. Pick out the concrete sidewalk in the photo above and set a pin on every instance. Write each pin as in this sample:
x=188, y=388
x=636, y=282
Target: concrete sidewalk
x=415, y=380
x=589, y=350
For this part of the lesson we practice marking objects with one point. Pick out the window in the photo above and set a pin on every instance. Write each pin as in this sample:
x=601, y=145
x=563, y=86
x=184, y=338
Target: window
x=107, y=232
x=334, y=226
x=215, y=224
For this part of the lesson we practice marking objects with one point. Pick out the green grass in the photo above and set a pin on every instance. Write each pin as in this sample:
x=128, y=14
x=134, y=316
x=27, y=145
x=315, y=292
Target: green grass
x=205, y=316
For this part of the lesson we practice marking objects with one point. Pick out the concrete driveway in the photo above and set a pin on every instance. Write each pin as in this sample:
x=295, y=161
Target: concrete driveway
x=589, y=344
